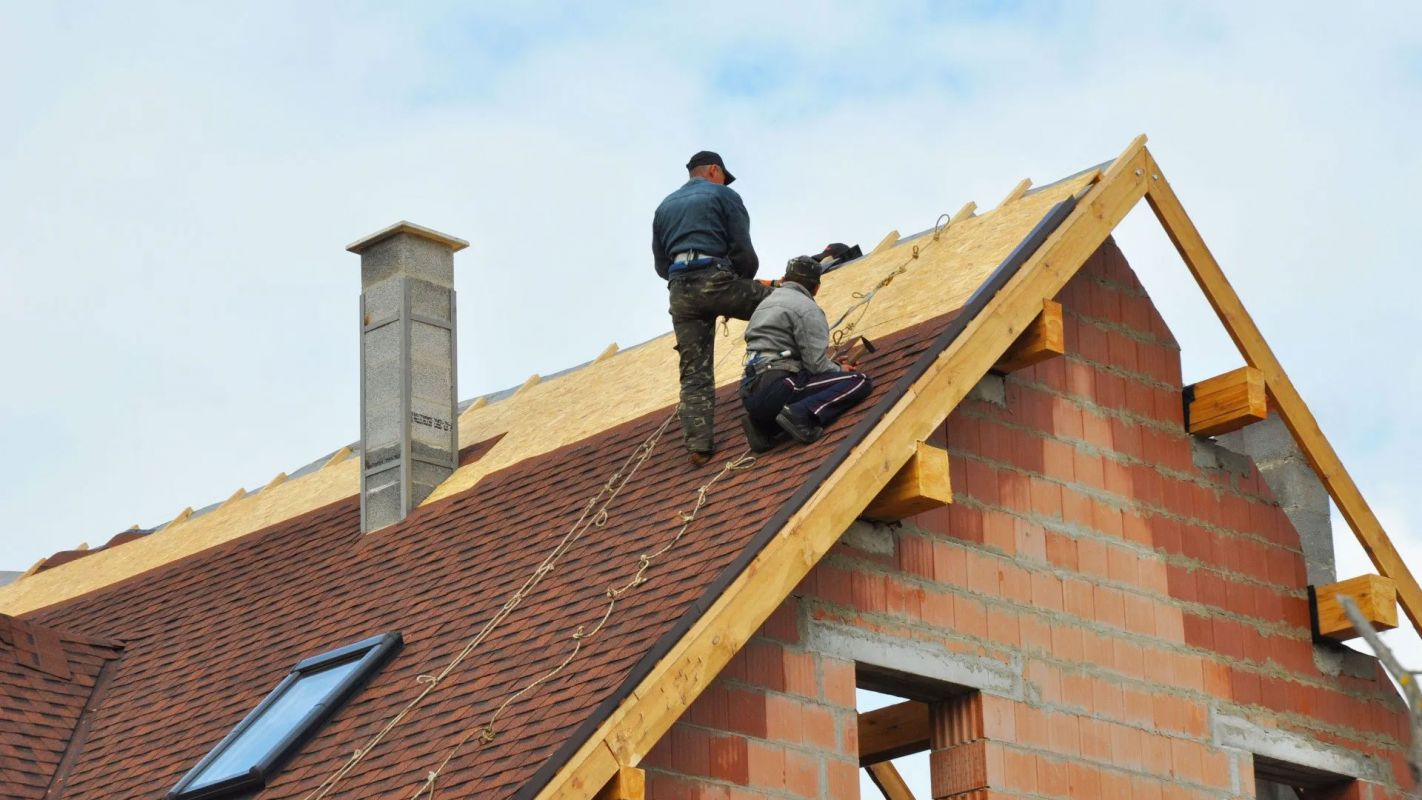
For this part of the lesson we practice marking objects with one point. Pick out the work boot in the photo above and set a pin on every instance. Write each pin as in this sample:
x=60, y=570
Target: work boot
x=759, y=442
x=697, y=458
x=803, y=431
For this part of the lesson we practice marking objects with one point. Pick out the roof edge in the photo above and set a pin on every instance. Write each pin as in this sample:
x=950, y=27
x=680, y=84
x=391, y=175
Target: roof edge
x=654, y=696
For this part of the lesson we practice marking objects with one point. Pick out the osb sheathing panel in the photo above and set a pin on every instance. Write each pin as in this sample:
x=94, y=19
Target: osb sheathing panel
x=557, y=411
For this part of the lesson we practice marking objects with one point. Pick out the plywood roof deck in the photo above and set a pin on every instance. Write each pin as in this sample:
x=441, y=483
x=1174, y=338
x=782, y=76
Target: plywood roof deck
x=571, y=406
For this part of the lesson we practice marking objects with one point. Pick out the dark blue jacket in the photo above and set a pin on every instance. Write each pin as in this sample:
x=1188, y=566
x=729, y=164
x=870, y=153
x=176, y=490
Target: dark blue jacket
x=708, y=218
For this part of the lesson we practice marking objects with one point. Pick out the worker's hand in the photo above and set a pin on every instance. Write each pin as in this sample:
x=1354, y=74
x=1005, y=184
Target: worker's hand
x=774, y=284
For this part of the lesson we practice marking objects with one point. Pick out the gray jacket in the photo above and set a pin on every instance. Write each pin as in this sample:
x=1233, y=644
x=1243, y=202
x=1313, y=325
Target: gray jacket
x=790, y=320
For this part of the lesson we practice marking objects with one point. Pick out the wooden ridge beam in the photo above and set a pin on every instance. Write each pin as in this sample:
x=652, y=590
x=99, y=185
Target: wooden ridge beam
x=1375, y=596
x=694, y=661
x=920, y=485
x=886, y=776
x=1044, y=338
x=1284, y=398
x=893, y=731
x=1226, y=402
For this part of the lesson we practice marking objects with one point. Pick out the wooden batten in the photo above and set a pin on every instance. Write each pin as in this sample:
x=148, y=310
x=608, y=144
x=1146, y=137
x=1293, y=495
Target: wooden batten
x=893, y=731
x=1226, y=402
x=886, y=776
x=890, y=239
x=920, y=485
x=1374, y=595
x=628, y=783
x=607, y=352
x=1017, y=192
x=1045, y=338
x=968, y=210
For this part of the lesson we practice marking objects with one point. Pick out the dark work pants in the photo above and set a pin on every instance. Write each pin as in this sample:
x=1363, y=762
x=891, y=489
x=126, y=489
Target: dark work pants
x=696, y=299
x=820, y=398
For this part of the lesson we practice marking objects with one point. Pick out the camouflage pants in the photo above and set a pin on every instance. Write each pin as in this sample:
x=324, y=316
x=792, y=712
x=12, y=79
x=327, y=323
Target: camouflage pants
x=696, y=300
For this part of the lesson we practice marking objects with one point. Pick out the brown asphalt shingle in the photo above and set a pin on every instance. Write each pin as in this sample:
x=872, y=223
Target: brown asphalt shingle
x=207, y=636
x=46, y=679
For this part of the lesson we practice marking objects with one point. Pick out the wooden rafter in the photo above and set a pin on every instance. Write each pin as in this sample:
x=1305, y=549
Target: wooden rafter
x=1045, y=338
x=1226, y=402
x=1284, y=397
x=886, y=776
x=1374, y=596
x=627, y=783
x=693, y=662
x=893, y=731
x=920, y=485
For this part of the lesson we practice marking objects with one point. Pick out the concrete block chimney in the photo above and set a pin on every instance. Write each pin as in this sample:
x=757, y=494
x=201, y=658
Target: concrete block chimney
x=408, y=419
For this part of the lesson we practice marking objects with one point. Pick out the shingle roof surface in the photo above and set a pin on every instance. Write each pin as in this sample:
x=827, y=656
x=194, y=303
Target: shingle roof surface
x=46, y=678
x=207, y=636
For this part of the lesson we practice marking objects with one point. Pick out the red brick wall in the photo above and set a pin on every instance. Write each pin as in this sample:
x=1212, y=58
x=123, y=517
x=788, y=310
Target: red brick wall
x=1136, y=591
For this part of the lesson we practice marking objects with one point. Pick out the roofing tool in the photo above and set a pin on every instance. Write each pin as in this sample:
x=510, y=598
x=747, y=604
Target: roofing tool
x=855, y=351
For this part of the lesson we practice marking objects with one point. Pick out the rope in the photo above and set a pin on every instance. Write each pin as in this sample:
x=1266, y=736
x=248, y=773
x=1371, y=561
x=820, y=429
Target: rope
x=588, y=519
x=863, y=299
x=488, y=732
x=594, y=514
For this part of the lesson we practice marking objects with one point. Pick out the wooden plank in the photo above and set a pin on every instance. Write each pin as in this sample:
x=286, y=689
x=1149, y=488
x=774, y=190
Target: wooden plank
x=1017, y=192
x=886, y=776
x=969, y=209
x=1285, y=399
x=1374, y=595
x=920, y=485
x=627, y=783
x=890, y=239
x=641, y=720
x=533, y=380
x=893, y=731
x=1226, y=402
x=1044, y=338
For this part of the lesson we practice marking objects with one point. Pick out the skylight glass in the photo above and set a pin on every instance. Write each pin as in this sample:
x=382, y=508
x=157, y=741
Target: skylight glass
x=288, y=715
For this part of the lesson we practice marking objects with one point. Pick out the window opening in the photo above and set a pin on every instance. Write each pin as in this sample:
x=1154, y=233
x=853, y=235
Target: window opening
x=1281, y=780
x=900, y=745
x=284, y=719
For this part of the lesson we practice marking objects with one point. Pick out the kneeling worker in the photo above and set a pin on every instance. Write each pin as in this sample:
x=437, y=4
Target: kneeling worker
x=790, y=383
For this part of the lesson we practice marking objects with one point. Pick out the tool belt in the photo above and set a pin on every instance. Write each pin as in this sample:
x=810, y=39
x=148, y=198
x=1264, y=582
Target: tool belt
x=693, y=260
x=761, y=364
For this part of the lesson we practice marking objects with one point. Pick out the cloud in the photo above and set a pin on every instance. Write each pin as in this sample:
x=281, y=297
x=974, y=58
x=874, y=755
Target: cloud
x=181, y=180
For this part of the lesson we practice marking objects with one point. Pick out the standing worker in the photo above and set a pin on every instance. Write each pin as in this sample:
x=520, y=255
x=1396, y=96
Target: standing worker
x=791, y=385
x=701, y=245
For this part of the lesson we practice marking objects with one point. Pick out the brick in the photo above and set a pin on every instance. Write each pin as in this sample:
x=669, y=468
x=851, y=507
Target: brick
x=959, y=769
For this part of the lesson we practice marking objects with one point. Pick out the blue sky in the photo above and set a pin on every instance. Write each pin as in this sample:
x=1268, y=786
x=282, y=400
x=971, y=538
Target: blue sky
x=179, y=181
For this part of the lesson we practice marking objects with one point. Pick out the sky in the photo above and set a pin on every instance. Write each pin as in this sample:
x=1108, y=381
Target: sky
x=178, y=182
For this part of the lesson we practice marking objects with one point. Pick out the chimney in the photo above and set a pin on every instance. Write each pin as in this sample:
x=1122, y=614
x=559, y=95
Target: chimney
x=408, y=431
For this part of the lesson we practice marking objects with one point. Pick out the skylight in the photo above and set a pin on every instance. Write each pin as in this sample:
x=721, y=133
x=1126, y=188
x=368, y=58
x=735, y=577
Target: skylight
x=285, y=718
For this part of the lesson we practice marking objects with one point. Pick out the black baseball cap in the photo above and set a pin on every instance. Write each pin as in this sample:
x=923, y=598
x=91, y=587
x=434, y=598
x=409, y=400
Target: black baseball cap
x=804, y=268
x=706, y=157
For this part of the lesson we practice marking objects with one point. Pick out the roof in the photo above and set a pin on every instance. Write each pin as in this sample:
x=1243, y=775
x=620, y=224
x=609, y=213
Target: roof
x=47, y=678
x=219, y=629
x=216, y=608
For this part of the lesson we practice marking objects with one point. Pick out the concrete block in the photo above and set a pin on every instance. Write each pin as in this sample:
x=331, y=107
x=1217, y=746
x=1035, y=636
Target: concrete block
x=1296, y=486
x=915, y=658
x=871, y=537
x=991, y=389
x=1293, y=748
